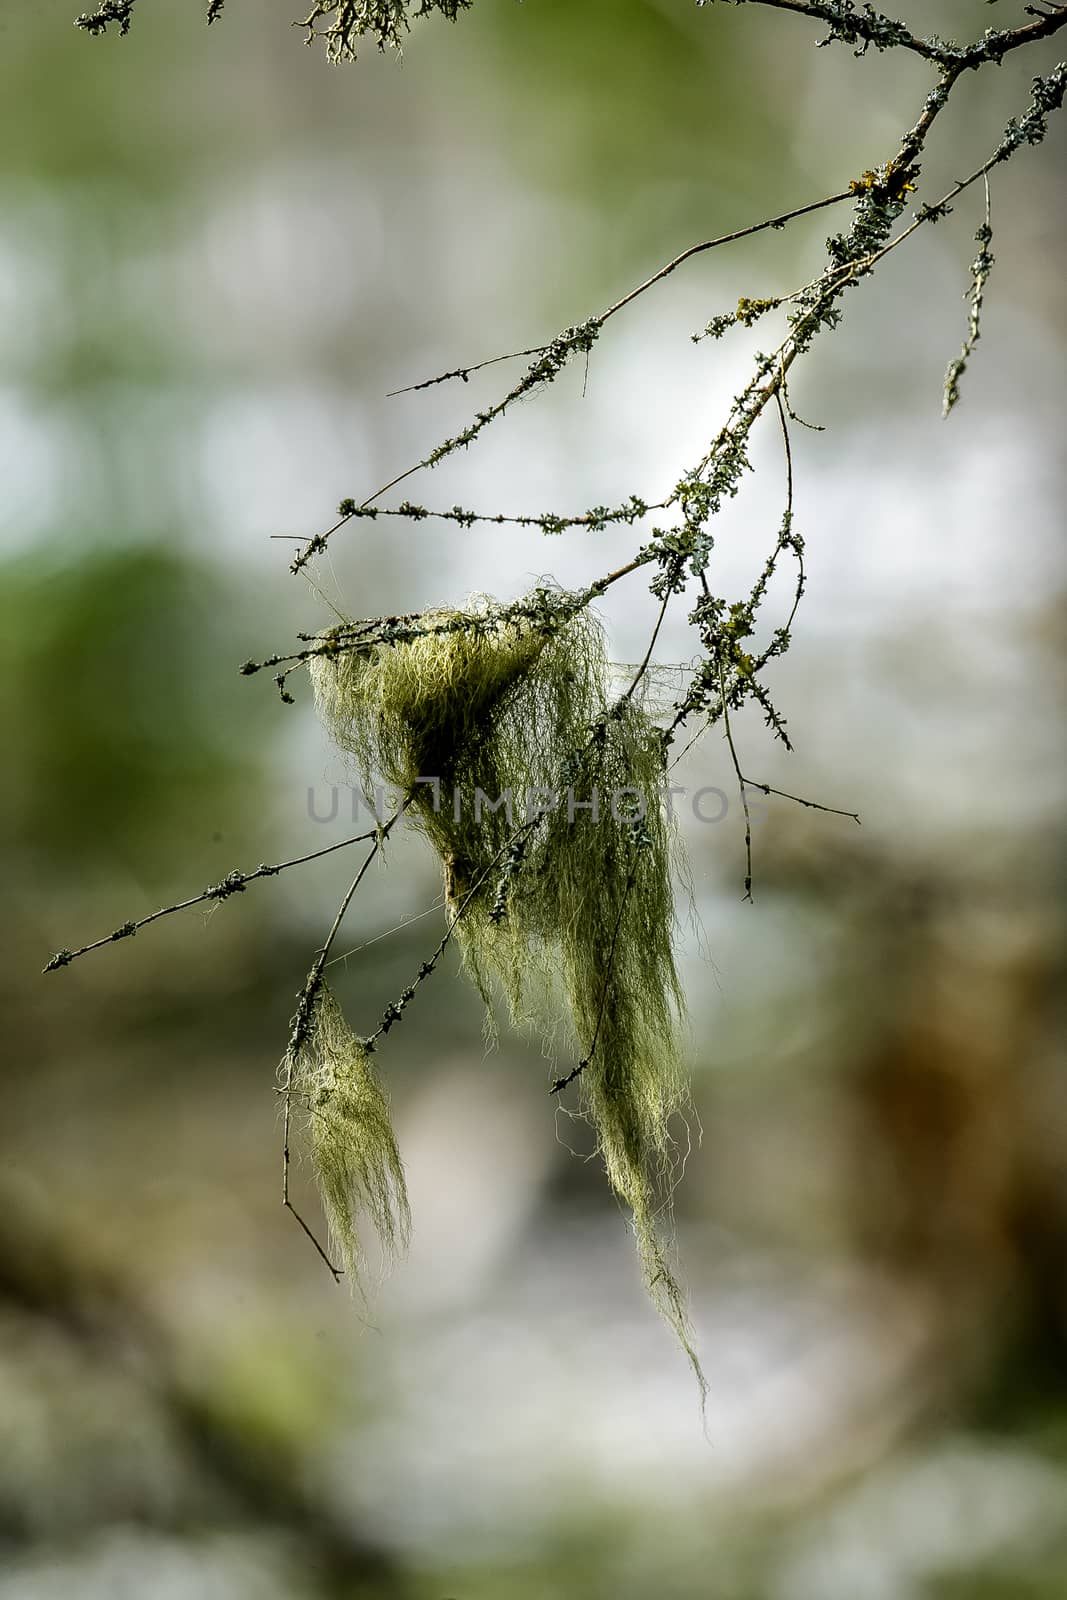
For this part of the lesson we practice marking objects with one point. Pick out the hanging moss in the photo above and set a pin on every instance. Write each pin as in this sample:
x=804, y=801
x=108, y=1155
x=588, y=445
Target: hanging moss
x=606, y=903
x=353, y=1147
x=567, y=906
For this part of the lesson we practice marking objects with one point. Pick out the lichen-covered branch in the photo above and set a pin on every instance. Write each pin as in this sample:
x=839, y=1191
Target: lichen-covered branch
x=867, y=26
x=497, y=725
x=341, y=25
x=981, y=267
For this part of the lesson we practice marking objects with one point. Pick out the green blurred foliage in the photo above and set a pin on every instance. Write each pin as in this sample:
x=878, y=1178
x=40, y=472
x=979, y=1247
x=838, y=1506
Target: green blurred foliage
x=62, y=123
x=131, y=739
x=626, y=98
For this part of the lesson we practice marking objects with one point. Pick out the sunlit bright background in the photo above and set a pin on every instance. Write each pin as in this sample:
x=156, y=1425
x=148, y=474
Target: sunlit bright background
x=218, y=255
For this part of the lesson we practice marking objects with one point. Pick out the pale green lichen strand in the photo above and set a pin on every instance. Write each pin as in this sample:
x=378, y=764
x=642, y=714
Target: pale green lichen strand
x=353, y=1147
x=567, y=904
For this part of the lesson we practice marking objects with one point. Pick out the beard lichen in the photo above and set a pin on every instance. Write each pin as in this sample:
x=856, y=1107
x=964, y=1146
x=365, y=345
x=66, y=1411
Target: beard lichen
x=353, y=1147
x=540, y=794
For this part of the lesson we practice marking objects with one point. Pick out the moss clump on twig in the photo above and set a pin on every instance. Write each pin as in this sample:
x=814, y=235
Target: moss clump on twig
x=540, y=794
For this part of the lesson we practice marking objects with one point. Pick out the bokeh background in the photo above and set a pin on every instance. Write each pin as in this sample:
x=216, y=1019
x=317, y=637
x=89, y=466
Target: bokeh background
x=217, y=256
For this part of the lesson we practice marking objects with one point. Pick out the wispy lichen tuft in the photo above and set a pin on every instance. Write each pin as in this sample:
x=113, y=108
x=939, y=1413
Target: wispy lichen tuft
x=353, y=1148
x=606, y=902
x=541, y=795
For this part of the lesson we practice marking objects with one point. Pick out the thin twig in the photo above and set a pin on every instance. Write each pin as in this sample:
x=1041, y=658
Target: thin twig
x=234, y=883
x=741, y=789
x=813, y=805
x=725, y=238
x=302, y=1022
x=657, y=276
x=317, y=544
x=465, y=372
x=644, y=664
x=787, y=528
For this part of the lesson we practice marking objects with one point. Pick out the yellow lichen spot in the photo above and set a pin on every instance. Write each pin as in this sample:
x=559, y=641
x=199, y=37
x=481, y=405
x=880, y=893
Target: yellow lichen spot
x=748, y=311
